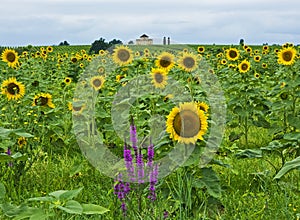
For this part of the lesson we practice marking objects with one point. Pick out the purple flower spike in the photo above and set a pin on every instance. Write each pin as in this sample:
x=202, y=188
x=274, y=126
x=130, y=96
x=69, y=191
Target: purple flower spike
x=133, y=137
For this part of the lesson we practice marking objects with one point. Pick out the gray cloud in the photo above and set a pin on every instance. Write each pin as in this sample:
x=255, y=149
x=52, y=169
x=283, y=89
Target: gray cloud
x=49, y=22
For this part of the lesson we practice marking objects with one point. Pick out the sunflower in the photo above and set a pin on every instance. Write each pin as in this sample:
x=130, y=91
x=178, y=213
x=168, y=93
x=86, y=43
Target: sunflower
x=122, y=55
x=81, y=65
x=168, y=97
x=101, y=70
x=282, y=85
x=244, y=66
x=13, y=89
x=74, y=59
x=102, y=52
x=77, y=108
x=257, y=58
x=264, y=65
x=287, y=56
x=203, y=106
x=256, y=75
x=165, y=61
x=49, y=49
x=137, y=54
x=159, y=77
x=43, y=99
x=67, y=80
x=232, y=54
x=223, y=61
x=188, y=62
x=186, y=123
x=97, y=82
x=201, y=49
x=265, y=47
x=21, y=142
x=10, y=57
x=119, y=77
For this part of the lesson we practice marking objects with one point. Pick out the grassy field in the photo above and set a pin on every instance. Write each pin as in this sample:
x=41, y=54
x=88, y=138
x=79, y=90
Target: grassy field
x=62, y=109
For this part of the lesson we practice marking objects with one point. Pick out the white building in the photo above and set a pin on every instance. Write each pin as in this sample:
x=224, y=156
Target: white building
x=144, y=40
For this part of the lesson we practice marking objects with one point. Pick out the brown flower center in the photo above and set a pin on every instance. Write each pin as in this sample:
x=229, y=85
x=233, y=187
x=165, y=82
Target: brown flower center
x=165, y=61
x=123, y=55
x=41, y=101
x=287, y=56
x=97, y=83
x=13, y=89
x=244, y=66
x=189, y=62
x=232, y=54
x=187, y=124
x=11, y=57
x=158, y=77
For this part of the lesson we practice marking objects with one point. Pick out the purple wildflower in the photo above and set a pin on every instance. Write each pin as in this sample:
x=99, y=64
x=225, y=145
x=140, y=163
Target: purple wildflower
x=140, y=167
x=153, y=180
x=150, y=155
x=8, y=152
x=166, y=214
x=121, y=190
x=128, y=162
x=133, y=137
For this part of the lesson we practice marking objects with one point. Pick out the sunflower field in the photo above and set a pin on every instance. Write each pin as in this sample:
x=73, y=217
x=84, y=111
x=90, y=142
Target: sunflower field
x=150, y=132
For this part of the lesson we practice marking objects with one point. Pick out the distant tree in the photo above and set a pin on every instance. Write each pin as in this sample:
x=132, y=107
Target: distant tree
x=130, y=42
x=98, y=45
x=65, y=43
x=242, y=42
x=114, y=42
x=102, y=45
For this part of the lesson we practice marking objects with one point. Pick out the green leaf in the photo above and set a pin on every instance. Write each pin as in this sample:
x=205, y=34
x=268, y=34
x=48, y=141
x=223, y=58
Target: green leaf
x=273, y=145
x=293, y=136
x=5, y=158
x=23, y=134
x=70, y=194
x=72, y=207
x=91, y=209
x=42, y=199
x=31, y=213
x=210, y=181
x=2, y=191
x=287, y=167
x=57, y=193
x=294, y=121
x=249, y=153
x=5, y=132
x=18, y=156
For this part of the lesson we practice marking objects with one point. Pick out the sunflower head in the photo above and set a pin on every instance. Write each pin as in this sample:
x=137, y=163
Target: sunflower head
x=10, y=57
x=67, y=80
x=43, y=99
x=203, y=106
x=21, y=142
x=97, y=82
x=257, y=58
x=122, y=55
x=49, y=49
x=165, y=61
x=13, y=89
x=188, y=62
x=286, y=56
x=244, y=66
x=256, y=75
x=201, y=49
x=186, y=123
x=232, y=54
x=159, y=77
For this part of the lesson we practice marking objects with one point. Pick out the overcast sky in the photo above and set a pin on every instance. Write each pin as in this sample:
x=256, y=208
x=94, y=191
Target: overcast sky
x=49, y=22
